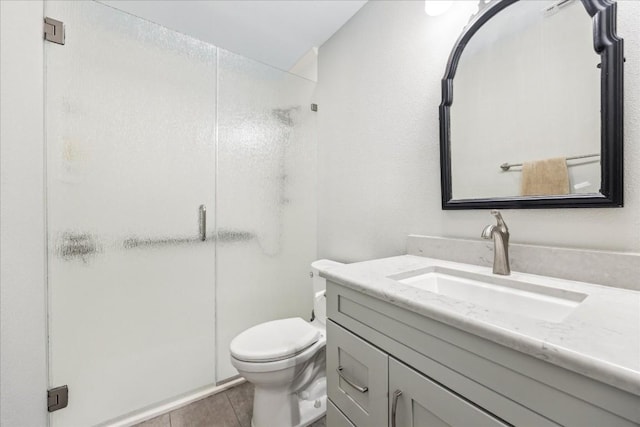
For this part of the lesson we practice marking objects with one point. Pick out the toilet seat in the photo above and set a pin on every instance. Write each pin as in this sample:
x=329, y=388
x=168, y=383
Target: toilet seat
x=274, y=341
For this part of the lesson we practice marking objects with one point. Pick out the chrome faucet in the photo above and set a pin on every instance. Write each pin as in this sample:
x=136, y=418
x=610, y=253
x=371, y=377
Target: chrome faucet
x=500, y=235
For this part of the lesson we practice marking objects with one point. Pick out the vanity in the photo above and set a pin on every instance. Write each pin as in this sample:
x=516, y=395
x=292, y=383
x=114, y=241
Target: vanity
x=417, y=341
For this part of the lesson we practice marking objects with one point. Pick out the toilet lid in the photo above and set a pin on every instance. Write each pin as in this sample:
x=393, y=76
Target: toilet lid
x=275, y=340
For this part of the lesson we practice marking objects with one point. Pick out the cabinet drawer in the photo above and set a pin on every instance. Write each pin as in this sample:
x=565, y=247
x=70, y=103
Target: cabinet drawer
x=423, y=402
x=357, y=377
x=335, y=418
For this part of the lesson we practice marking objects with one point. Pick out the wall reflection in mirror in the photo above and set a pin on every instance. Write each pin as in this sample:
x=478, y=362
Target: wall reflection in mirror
x=517, y=59
x=526, y=96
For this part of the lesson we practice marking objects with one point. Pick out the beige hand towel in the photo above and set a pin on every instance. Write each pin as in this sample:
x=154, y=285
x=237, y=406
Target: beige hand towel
x=545, y=177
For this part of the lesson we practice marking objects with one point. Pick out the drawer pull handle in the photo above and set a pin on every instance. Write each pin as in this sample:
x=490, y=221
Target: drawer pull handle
x=351, y=383
x=394, y=407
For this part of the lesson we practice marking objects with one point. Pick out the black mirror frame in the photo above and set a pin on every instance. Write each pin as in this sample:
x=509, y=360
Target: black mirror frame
x=610, y=47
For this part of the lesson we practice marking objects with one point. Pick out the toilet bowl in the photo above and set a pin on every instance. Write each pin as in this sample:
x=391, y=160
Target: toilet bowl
x=285, y=360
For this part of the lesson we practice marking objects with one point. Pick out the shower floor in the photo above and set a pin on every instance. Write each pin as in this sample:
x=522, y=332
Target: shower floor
x=231, y=408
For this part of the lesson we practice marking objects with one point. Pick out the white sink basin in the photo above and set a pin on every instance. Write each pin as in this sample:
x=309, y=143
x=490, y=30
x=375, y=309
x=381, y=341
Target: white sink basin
x=500, y=293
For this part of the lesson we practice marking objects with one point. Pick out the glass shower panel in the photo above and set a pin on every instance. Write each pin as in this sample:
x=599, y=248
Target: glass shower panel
x=130, y=131
x=266, y=201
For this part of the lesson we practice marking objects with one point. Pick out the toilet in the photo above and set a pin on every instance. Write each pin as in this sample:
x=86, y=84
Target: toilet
x=285, y=360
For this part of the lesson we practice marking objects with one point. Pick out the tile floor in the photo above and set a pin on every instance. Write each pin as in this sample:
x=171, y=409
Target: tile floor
x=231, y=408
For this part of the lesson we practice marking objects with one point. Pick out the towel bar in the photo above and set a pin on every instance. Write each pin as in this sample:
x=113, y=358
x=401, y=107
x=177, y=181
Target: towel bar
x=507, y=166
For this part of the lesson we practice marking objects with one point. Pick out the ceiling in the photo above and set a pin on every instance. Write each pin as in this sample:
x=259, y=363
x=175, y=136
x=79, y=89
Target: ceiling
x=276, y=32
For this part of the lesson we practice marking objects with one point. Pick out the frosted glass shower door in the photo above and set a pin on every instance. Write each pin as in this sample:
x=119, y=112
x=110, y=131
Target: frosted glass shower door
x=130, y=134
x=266, y=211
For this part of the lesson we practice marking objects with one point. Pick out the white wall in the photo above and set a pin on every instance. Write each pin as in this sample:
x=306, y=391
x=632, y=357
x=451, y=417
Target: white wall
x=379, y=168
x=23, y=367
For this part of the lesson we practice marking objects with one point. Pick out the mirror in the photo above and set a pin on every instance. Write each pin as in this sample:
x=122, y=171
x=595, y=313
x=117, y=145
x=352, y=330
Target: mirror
x=531, y=112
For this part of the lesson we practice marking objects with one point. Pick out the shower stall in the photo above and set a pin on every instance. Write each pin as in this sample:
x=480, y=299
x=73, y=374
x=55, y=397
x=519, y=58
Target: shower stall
x=180, y=209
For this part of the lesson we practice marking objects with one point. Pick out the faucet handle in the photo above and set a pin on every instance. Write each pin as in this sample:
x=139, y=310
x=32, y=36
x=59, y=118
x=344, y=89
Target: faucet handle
x=496, y=213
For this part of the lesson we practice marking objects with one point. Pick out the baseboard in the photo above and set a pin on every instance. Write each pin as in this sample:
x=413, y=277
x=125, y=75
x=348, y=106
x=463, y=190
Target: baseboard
x=227, y=380
x=173, y=404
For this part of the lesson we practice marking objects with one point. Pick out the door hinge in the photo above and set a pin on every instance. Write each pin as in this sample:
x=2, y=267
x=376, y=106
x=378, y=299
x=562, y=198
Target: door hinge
x=57, y=398
x=54, y=30
x=314, y=107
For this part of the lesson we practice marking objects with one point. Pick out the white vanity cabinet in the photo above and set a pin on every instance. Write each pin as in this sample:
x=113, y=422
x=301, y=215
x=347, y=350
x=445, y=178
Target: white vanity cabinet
x=381, y=357
x=419, y=401
x=375, y=389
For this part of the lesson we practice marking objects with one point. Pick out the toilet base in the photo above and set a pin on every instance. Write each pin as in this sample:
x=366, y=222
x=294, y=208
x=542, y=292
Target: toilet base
x=310, y=411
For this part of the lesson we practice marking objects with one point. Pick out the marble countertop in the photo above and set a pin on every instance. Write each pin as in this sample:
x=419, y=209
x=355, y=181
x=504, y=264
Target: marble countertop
x=599, y=339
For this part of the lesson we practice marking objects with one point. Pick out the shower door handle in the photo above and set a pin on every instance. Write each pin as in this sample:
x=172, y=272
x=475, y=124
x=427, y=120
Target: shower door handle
x=202, y=222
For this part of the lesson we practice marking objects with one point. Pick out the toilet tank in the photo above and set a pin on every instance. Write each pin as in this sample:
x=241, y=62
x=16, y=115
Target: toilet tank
x=319, y=288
